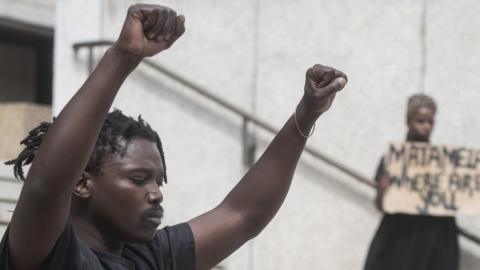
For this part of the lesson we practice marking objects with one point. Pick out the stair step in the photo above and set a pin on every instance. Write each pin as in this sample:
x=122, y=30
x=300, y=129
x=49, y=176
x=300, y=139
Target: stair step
x=10, y=190
x=5, y=211
x=2, y=230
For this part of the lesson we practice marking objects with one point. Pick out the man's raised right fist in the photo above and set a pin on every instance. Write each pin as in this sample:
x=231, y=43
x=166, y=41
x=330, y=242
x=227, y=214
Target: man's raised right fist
x=149, y=29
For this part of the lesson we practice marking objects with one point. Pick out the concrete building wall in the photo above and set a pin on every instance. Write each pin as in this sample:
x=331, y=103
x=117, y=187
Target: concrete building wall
x=16, y=118
x=254, y=54
x=38, y=12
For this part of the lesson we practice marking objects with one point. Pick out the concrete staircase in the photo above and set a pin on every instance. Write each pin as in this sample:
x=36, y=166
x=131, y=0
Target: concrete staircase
x=9, y=192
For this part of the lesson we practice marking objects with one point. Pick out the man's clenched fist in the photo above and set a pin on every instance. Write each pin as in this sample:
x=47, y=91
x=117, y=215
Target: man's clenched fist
x=321, y=85
x=149, y=29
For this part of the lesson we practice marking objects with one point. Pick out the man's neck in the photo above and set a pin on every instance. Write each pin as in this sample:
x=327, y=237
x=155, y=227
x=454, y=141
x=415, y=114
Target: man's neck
x=92, y=236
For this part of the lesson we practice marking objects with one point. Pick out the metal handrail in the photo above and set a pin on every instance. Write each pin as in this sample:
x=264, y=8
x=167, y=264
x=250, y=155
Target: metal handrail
x=7, y=200
x=247, y=117
x=9, y=180
x=231, y=107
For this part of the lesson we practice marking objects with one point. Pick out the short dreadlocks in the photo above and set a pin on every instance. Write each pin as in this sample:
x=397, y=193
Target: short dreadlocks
x=116, y=128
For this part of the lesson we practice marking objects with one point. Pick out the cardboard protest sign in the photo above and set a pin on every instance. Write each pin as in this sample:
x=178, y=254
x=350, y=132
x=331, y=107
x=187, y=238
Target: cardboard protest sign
x=433, y=180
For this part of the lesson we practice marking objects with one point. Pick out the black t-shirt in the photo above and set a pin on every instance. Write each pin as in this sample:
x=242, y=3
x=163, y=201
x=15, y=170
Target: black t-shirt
x=171, y=249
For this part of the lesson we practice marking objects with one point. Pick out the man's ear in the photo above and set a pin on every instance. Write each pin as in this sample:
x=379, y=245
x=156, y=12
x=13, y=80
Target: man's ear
x=83, y=187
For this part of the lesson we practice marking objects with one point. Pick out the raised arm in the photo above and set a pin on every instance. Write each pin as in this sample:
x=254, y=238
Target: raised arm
x=44, y=204
x=257, y=197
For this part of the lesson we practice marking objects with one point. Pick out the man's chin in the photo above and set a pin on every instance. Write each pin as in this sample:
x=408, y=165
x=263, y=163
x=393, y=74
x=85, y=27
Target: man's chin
x=145, y=238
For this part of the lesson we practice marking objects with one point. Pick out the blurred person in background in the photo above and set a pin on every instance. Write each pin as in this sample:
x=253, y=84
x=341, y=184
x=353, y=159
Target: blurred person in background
x=413, y=242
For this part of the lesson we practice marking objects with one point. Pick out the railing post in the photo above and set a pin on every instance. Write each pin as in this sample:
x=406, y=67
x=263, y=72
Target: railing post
x=90, y=60
x=249, y=144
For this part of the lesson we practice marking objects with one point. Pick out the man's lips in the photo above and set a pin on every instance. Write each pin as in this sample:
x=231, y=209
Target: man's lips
x=154, y=215
x=155, y=220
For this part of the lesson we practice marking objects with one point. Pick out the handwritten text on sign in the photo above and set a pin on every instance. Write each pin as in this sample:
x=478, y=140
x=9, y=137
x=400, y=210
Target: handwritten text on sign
x=435, y=180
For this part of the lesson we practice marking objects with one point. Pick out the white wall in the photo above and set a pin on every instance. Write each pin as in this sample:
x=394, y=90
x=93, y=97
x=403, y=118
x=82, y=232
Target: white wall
x=38, y=12
x=328, y=220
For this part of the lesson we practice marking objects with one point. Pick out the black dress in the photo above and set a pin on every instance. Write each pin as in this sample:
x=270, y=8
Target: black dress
x=413, y=242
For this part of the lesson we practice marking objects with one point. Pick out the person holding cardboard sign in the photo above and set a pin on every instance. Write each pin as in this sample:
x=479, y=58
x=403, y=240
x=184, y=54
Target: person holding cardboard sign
x=413, y=242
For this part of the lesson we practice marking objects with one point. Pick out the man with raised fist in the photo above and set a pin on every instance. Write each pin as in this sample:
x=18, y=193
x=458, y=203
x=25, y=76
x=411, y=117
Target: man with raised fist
x=91, y=199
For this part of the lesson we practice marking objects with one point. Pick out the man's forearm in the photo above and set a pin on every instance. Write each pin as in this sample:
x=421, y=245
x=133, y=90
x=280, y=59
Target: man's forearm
x=263, y=189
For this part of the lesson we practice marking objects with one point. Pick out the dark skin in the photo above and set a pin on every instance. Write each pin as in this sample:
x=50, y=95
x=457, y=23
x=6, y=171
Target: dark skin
x=420, y=126
x=122, y=203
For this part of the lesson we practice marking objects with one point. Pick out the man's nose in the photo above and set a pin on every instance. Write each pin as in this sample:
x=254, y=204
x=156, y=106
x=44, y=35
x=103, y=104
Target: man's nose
x=155, y=195
x=428, y=126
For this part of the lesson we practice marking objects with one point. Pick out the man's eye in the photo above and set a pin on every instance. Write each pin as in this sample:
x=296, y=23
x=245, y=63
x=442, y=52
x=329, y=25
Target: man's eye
x=138, y=179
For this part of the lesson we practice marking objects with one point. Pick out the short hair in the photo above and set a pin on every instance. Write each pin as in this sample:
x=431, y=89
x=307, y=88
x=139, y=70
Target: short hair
x=116, y=128
x=417, y=101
